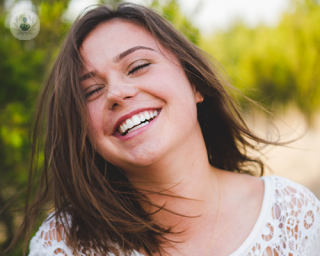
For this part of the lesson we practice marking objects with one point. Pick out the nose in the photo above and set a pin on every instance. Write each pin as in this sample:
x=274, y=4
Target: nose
x=118, y=92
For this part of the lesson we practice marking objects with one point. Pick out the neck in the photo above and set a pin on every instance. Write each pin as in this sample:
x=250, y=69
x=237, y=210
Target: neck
x=188, y=179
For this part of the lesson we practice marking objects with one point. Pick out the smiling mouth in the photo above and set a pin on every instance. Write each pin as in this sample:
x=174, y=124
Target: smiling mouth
x=137, y=121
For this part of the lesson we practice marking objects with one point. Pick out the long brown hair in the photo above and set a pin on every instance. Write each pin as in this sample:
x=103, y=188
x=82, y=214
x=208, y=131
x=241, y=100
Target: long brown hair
x=93, y=192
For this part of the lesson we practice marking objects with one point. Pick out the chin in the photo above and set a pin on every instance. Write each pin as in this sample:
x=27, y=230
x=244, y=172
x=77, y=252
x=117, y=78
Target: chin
x=144, y=158
x=141, y=158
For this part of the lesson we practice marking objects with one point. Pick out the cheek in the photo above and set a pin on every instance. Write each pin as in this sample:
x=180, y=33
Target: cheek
x=171, y=86
x=95, y=121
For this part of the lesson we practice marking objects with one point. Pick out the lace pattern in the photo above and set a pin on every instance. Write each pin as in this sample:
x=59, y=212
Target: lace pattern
x=288, y=225
x=48, y=242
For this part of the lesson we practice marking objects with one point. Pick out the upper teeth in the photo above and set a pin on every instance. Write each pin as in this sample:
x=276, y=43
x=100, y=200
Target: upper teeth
x=136, y=120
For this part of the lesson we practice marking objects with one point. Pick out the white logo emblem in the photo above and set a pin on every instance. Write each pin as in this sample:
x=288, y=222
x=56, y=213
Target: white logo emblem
x=24, y=25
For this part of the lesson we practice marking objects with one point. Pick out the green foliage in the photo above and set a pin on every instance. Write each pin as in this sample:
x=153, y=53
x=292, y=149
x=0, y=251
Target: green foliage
x=22, y=66
x=113, y=2
x=170, y=9
x=275, y=66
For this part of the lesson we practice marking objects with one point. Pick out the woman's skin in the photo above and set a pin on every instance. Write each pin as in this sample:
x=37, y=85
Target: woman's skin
x=169, y=152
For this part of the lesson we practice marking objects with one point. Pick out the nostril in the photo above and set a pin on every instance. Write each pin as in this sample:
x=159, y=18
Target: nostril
x=114, y=105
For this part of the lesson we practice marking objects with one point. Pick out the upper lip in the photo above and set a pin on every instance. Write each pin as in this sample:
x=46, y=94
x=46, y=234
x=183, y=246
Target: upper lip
x=129, y=115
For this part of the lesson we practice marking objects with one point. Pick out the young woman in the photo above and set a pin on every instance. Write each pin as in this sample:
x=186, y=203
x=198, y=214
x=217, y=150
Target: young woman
x=146, y=154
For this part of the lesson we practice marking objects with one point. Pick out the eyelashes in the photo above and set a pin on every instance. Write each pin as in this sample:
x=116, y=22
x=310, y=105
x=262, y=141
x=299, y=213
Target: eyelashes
x=131, y=72
x=93, y=92
x=135, y=69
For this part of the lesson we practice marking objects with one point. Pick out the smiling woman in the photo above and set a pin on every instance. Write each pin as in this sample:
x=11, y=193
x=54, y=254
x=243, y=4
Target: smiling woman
x=135, y=78
x=145, y=152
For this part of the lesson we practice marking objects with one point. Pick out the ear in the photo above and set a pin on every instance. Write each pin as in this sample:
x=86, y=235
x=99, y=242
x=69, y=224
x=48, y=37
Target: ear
x=198, y=97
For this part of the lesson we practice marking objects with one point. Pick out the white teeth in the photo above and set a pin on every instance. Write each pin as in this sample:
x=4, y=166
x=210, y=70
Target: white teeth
x=129, y=123
x=122, y=130
x=136, y=120
x=142, y=118
x=146, y=114
x=137, y=127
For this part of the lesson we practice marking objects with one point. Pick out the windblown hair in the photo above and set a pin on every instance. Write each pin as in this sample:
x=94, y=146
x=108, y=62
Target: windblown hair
x=95, y=193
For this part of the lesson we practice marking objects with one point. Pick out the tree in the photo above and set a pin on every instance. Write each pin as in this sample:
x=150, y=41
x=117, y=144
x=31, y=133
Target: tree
x=22, y=68
x=278, y=65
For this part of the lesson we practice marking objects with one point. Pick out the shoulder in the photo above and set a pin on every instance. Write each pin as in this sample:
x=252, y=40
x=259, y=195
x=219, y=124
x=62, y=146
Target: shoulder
x=295, y=214
x=290, y=199
x=291, y=194
x=242, y=188
x=50, y=239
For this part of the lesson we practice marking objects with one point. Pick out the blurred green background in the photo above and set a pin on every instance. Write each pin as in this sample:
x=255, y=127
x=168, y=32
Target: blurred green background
x=277, y=66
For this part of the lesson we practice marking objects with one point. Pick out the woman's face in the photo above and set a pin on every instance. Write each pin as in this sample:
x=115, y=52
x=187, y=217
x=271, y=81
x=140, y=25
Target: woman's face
x=142, y=107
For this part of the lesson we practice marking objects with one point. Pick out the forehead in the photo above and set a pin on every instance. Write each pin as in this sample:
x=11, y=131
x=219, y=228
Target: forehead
x=110, y=38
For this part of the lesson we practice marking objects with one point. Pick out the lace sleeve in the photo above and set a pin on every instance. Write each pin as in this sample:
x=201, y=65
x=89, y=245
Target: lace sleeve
x=288, y=224
x=311, y=221
x=298, y=213
x=50, y=240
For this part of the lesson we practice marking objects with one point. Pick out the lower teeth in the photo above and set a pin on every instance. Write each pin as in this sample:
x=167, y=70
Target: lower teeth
x=137, y=127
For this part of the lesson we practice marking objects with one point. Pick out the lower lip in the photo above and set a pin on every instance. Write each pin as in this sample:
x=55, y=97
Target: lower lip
x=138, y=131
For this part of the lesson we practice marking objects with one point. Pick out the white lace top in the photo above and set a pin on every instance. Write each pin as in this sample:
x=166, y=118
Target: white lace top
x=288, y=225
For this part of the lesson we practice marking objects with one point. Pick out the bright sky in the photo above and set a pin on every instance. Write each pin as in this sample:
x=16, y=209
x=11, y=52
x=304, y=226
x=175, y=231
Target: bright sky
x=213, y=14
x=216, y=14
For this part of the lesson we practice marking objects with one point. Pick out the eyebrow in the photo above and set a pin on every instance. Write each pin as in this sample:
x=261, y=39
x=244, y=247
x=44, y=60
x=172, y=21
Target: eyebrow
x=116, y=59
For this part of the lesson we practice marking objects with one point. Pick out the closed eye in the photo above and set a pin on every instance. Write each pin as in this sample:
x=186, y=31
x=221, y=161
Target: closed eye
x=93, y=92
x=132, y=71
